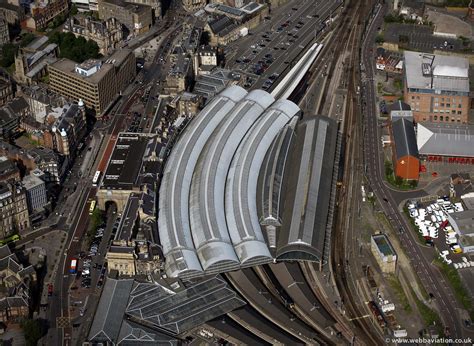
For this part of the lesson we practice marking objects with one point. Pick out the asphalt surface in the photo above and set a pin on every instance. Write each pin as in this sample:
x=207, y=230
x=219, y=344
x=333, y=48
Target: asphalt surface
x=430, y=278
x=282, y=47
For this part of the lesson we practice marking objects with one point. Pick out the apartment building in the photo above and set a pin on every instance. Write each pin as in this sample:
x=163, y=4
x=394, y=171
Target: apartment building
x=13, y=209
x=44, y=11
x=95, y=82
x=437, y=87
x=136, y=17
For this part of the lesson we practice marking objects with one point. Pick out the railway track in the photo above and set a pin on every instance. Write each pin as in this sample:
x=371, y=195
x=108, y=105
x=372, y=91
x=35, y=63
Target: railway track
x=351, y=135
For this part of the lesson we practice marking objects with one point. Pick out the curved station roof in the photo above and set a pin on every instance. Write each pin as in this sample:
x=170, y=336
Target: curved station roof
x=209, y=217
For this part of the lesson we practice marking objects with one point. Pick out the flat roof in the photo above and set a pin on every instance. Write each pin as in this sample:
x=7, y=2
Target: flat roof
x=445, y=139
x=383, y=244
x=129, y=161
x=436, y=72
x=464, y=221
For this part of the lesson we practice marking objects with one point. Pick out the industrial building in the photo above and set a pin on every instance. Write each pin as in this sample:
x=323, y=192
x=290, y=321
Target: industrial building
x=463, y=224
x=437, y=87
x=234, y=159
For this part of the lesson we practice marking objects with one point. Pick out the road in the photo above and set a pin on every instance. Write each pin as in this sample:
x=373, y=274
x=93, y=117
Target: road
x=430, y=277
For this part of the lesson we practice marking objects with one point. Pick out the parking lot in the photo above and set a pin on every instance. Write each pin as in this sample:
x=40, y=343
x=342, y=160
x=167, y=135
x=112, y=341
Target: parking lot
x=432, y=222
x=420, y=37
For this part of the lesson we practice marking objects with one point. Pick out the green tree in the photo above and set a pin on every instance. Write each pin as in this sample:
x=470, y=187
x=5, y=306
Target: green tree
x=74, y=10
x=379, y=39
x=388, y=169
x=26, y=39
x=7, y=56
x=398, y=180
x=33, y=331
x=205, y=38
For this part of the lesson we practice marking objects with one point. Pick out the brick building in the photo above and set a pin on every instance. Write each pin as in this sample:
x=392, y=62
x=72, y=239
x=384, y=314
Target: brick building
x=437, y=87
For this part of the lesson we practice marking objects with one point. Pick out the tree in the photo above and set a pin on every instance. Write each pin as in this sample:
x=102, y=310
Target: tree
x=205, y=38
x=33, y=331
x=388, y=169
x=26, y=39
x=398, y=180
x=379, y=39
x=74, y=10
x=77, y=49
x=8, y=52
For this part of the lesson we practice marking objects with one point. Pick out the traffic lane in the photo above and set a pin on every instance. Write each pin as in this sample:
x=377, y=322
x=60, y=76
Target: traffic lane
x=380, y=190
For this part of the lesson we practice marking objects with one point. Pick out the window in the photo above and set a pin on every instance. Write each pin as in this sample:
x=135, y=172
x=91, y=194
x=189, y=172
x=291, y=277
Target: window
x=460, y=105
x=442, y=99
x=459, y=112
x=442, y=104
x=418, y=97
x=447, y=118
x=435, y=110
x=436, y=104
x=441, y=118
x=459, y=120
x=436, y=99
x=435, y=117
x=448, y=105
x=413, y=97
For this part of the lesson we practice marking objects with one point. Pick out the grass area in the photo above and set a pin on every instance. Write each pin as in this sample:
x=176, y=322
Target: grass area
x=398, y=83
x=400, y=293
x=460, y=291
x=430, y=317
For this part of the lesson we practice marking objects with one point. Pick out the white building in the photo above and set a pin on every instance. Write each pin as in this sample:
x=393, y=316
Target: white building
x=35, y=192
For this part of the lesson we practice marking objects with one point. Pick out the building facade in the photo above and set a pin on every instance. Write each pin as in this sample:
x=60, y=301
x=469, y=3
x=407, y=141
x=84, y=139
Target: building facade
x=95, y=82
x=384, y=253
x=6, y=90
x=437, y=87
x=13, y=209
x=107, y=34
x=44, y=11
x=4, y=34
x=35, y=193
x=137, y=18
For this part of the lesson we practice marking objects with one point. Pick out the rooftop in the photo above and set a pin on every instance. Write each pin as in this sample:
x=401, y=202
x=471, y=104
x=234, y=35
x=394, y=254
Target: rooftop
x=464, y=221
x=404, y=138
x=436, y=72
x=445, y=139
x=128, y=162
x=383, y=244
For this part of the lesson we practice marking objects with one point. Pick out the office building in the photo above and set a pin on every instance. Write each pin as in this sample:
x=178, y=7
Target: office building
x=35, y=193
x=95, y=82
x=437, y=87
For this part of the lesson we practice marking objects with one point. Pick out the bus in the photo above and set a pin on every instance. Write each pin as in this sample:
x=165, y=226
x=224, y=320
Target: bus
x=92, y=207
x=73, y=268
x=10, y=239
x=96, y=178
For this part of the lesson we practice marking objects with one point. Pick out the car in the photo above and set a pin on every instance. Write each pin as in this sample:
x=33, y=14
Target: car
x=238, y=61
x=294, y=8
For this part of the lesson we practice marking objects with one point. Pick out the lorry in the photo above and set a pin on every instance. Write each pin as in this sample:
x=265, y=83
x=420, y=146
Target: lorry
x=73, y=268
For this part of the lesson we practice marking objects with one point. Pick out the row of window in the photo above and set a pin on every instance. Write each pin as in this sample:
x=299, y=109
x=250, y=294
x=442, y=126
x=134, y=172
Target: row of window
x=446, y=118
x=453, y=111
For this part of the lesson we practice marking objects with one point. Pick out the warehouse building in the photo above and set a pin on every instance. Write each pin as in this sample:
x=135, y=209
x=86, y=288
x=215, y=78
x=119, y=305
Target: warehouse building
x=437, y=87
x=451, y=143
x=406, y=163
